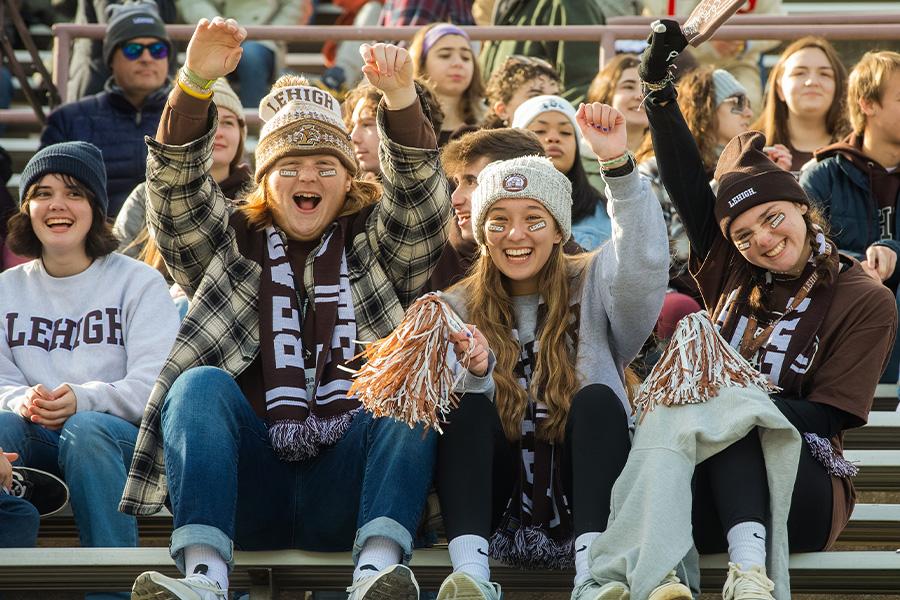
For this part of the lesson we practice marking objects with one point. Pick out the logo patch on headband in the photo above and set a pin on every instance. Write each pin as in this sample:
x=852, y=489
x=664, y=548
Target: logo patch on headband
x=742, y=196
x=143, y=20
x=515, y=182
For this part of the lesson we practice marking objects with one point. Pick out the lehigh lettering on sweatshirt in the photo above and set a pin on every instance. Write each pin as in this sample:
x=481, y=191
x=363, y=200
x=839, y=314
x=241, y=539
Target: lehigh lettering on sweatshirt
x=105, y=332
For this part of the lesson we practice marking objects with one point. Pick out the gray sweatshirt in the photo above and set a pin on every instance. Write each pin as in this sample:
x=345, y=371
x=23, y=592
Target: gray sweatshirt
x=105, y=331
x=622, y=290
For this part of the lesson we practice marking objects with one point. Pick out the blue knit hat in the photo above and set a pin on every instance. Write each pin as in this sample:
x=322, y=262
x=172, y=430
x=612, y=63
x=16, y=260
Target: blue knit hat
x=81, y=160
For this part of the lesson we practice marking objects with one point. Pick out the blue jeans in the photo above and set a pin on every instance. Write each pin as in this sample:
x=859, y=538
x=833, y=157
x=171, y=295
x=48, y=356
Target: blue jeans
x=228, y=488
x=92, y=453
x=19, y=522
x=255, y=73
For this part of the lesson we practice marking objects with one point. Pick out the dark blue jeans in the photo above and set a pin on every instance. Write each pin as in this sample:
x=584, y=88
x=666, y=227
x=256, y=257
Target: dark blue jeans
x=228, y=488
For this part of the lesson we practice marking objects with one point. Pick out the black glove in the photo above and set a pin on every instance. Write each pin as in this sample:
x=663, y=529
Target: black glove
x=666, y=43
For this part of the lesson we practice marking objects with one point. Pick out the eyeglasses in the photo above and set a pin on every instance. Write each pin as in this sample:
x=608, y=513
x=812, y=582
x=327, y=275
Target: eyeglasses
x=740, y=101
x=133, y=50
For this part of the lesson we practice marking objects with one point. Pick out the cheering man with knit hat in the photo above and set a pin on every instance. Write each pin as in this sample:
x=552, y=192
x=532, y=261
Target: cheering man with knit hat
x=250, y=429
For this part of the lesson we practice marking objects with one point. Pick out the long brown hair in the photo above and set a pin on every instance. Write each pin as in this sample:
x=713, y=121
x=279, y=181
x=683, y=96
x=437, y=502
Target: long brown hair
x=472, y=101
x=554, y=381
x=773, y=121
x=604, y=84
x=697, y=100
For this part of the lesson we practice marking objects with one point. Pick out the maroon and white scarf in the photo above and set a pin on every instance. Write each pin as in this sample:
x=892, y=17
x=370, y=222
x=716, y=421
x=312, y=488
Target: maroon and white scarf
x=300, y=424
x=536, y=528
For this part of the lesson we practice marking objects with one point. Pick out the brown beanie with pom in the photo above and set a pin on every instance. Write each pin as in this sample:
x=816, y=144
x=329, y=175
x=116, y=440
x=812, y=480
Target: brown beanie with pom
x=748, y=178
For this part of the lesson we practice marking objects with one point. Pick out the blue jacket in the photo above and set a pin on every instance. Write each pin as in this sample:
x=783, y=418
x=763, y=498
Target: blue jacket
x=110, y=122
x=843, y=190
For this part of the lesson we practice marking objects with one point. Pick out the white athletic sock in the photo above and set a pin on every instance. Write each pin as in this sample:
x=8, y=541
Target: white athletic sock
x=747, y=544
x=377, y=553
x=469, y=554
x=209, y=561
x=582, y=556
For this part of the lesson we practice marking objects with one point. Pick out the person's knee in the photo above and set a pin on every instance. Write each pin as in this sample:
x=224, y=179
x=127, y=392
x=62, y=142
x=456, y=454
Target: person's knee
x=597, y=403
x=199, y=393
x=87, y=435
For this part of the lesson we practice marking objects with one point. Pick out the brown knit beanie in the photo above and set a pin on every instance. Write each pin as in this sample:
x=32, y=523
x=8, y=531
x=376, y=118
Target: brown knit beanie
x=748, y=178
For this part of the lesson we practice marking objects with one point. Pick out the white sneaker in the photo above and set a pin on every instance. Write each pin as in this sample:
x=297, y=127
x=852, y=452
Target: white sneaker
x=393, y=583
x=151, y=585
x=752, y=584
x=591, y=590
x=462, y=586
x=671, y=588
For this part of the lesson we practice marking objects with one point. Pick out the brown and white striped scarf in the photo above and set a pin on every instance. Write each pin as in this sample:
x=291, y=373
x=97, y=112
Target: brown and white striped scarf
x=536, y=528
x=300, y=423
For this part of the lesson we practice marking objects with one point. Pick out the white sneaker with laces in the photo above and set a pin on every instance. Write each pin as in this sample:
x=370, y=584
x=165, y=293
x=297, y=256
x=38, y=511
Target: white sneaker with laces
x=752, y=584
x=671, y=588
x=591, y=590
x=462, y=586
x=393, y=583
x=151, y=585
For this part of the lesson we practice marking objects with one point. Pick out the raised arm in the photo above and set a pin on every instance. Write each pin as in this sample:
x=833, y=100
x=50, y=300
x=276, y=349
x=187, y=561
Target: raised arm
x=411, y=218
x=678, y=158
x=186, y=211
x=628, y=276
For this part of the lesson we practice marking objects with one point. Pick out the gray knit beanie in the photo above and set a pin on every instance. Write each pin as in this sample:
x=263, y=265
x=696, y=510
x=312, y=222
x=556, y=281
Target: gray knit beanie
x=81, y=160
x=532, y=177
x=726, y=86
x=131, y=20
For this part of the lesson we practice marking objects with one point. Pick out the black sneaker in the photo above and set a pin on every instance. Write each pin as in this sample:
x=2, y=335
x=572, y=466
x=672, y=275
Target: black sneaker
x=47, y=492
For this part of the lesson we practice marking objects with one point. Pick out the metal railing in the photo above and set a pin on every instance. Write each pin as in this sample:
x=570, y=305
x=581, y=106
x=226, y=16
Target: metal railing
x=742, y=27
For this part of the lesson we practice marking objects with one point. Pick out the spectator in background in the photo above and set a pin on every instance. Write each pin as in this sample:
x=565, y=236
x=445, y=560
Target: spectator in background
x=116, y=120
x=89, y=68
x=395, y=13
x=229, y=169
x=739, y=57
x=619, y=85
x=8, y=207
x=576, y=62
x=806, y=100
x=87, y=332
x=443, y=57
x=261, y=61
x=360, y=111
x=857, y=181
x=342, y=58
x=519, y=78
x=552, y=119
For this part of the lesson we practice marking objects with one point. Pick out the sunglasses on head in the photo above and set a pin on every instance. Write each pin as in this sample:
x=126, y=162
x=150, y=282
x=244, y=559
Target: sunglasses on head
x=739, y=103
x=133, y=50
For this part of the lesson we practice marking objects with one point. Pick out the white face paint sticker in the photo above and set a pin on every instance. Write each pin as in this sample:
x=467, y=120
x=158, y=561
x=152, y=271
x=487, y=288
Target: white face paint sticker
x=327, y=172
x=741, y=246
x=288, y=172
x=496, y=228
x=777, y=220
x=537, y=226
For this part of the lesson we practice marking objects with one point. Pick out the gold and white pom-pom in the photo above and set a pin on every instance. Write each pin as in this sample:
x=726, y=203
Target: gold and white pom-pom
x=696, y=364
x=406, y=375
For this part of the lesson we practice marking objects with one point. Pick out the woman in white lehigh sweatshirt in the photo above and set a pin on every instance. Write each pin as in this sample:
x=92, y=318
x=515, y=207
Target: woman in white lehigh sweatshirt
x=84, y=336
x=528, y=460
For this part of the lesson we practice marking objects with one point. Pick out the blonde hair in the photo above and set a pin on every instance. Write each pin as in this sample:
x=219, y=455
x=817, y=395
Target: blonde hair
x=773, y=121
x=867, y=82
x=554, y=380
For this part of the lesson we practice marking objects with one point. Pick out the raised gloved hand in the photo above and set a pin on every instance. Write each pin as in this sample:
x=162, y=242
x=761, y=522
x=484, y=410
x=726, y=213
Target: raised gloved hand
x=666, y=43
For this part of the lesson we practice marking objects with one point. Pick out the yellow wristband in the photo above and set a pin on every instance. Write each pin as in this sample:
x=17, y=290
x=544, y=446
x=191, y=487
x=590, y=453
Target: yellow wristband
x=194, y=93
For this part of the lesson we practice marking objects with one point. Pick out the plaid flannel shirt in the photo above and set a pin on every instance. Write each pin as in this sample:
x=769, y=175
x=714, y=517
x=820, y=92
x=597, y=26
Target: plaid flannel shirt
x=389, y=262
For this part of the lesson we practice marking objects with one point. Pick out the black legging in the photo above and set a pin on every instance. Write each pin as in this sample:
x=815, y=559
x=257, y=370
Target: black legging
x=731, y=488
x=477, y=466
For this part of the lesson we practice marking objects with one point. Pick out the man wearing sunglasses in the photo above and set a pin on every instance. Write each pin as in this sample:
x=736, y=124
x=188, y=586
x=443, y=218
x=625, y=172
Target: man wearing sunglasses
x=138, y=52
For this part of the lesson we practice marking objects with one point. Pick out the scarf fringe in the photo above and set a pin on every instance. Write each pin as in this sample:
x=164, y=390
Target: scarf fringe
x=406, y=375
x=823, y=451
x=695, y=365
x=531, y=548
x=301, y=440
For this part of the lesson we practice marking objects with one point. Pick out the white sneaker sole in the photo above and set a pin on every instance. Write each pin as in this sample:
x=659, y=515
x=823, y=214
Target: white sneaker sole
x=399, y=584
x=613, y=591
x=460, y=588
x=671, y=591
x=156, y=586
